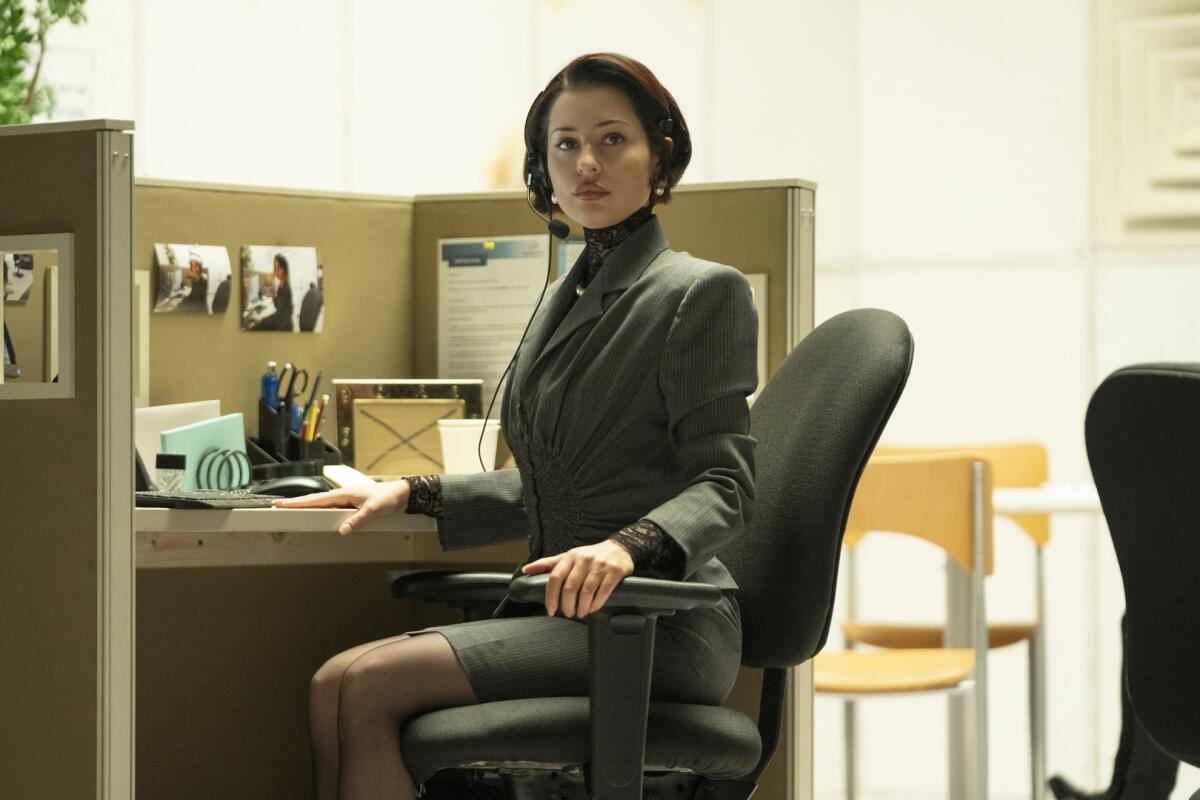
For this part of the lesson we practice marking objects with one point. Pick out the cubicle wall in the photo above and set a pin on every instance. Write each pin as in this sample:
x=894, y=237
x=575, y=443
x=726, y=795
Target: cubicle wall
x=364, y=245
x=65, y=494
x=225, y=654
x=761, y=228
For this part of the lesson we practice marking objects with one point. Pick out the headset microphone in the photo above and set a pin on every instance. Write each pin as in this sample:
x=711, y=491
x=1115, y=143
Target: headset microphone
x=557, y=229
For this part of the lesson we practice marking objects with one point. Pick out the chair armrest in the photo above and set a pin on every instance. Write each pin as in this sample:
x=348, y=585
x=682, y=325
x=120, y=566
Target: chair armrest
x=640, y=596
x=466, y=590
x=621, y=658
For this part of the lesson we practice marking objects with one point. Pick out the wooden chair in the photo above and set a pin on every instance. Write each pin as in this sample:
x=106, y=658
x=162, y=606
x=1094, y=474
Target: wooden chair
x=944, y=499
x=1015, y=465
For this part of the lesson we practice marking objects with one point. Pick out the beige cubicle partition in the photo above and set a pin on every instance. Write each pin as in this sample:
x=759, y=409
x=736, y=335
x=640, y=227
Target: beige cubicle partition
x=363, y=242
x=66, y=562
x=762, y=228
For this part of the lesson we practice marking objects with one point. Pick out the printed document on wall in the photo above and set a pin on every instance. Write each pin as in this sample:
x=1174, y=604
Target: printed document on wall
x=486, y=292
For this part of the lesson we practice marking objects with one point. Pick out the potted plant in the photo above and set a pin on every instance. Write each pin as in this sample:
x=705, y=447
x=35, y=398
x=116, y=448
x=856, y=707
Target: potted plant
x=23, y=29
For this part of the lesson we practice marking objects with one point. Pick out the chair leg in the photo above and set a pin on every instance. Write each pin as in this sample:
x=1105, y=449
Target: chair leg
x=850, y=747
x=1037, y=715
x=979, y=776
x=958, y=759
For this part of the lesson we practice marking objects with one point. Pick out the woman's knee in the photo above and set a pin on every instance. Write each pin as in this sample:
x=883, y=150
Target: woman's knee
x=404, y=679
x=328, y=677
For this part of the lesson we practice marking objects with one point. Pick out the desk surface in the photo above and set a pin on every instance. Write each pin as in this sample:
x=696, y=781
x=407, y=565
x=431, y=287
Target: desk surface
x=1049, y=498
x=273, y=536
x=172, y=538
x=270, y=520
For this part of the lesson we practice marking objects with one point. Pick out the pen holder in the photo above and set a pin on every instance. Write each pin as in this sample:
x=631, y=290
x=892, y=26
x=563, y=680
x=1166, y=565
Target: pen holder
x=317, y=450
x=273, y=431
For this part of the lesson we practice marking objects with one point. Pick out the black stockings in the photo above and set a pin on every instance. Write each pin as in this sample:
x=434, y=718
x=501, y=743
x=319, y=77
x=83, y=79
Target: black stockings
x=359, y=702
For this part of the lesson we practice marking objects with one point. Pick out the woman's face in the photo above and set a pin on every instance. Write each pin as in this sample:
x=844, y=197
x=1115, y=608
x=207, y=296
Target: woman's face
x=599, y=157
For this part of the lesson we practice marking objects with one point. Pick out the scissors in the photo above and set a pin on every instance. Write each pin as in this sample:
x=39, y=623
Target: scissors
x=293, y=379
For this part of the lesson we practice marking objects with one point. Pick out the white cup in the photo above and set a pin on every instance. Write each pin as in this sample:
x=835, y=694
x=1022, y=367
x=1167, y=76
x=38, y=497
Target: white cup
x=460, y=444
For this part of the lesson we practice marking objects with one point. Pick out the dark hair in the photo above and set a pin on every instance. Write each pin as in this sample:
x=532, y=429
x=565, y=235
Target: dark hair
x=656, y=109
x=281, y=260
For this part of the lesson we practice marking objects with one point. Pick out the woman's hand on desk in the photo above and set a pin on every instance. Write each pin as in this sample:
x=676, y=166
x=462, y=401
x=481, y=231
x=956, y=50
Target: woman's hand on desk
x=583, y=578
x=371, y=501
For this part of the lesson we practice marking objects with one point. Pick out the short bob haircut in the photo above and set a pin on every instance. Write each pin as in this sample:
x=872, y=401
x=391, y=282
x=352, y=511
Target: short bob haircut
x=651, y=101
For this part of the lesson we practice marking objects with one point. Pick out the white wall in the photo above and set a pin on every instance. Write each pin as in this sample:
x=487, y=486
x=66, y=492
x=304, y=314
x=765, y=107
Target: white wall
x=950, y=142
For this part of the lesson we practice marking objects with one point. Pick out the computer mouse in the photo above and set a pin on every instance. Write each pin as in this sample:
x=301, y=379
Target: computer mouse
x=291, y=486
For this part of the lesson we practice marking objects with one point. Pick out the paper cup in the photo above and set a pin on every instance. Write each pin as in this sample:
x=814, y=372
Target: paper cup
x=460, y=444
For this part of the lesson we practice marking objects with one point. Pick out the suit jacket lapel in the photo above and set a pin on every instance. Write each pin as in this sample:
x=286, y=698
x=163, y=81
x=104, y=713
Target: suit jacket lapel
x=621, y=269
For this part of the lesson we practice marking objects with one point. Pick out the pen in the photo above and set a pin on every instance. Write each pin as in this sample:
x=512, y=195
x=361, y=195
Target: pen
x=312, y=396
x=321, y=415
x=310, y=424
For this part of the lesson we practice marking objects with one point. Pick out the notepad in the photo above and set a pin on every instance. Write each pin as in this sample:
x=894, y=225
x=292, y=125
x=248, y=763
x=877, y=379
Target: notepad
x=227, y=432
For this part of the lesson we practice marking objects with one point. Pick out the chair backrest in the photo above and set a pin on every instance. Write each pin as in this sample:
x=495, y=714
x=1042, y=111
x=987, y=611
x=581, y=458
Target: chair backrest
x=815, y=423
x=1015, y=465
x=929, y=496
x=310, y=309
x=1143, y=442
x=220, y=301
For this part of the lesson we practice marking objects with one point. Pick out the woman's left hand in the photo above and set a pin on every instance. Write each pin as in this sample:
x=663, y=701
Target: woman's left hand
x=583, y=578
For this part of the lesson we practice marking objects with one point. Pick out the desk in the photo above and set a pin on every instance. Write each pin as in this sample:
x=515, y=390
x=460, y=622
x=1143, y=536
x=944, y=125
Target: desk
x=219, y=630
x=275, y=536
x=1049, y=498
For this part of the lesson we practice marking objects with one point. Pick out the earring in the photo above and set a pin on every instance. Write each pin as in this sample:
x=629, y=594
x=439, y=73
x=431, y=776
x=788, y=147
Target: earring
x=554, y=198
x=658, y=190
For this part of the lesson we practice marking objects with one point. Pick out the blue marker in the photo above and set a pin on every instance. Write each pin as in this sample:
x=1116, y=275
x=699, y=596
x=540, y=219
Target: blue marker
x=270, y=385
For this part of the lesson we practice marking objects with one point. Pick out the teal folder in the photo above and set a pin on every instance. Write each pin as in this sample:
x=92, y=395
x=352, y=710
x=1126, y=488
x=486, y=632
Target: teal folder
x=193, y=441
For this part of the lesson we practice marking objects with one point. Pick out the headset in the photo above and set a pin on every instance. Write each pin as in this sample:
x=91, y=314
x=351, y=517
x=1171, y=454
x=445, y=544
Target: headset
x=537, y=183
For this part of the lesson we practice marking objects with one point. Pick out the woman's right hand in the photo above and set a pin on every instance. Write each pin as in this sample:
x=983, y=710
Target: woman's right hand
x=371, y=501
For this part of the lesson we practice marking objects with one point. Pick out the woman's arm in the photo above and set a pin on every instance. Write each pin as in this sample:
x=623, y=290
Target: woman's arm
x=709, y=366
x=652, y=549
x=481, y=509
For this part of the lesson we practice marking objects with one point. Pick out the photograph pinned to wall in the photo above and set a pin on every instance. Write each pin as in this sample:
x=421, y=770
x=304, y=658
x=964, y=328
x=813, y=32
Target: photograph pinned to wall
x=193, y=279
x=18, y=277
x=283, y=289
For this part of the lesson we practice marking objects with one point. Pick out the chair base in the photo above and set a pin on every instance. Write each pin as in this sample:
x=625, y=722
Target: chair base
x=570, y=783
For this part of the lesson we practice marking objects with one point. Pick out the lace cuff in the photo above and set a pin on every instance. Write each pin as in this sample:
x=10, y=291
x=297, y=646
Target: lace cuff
x=425, y=495
x=651, y=548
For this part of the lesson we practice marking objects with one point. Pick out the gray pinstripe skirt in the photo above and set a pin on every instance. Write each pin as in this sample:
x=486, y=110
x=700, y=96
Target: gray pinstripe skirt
x=696, y=655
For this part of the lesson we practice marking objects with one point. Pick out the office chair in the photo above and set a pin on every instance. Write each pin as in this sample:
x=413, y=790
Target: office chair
x=1014, y=465
x=220, y=301
x=815, y=423
x=310, y=309
x=1143, y=443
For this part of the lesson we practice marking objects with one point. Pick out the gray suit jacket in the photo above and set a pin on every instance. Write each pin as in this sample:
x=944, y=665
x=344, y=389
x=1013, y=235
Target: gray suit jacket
x=627, y=403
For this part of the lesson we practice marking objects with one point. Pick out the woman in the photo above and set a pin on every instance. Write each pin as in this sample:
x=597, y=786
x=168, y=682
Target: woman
x=626, y=413
x=281, y=318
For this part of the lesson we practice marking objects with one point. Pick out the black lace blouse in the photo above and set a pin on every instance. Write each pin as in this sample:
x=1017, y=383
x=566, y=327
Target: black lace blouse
x=650, y=547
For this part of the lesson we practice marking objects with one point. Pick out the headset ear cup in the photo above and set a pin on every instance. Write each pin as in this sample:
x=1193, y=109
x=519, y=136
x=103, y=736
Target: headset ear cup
x=544, y=180
x=537, y=178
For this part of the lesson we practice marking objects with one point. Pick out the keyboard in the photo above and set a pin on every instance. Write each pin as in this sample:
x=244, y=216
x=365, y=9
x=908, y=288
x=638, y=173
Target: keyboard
x=203, y=500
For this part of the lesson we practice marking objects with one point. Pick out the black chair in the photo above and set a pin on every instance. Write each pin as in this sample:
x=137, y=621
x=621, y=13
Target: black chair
x=816, y=423
x=220, y=301
x=310, y=309
x=1143, y=443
